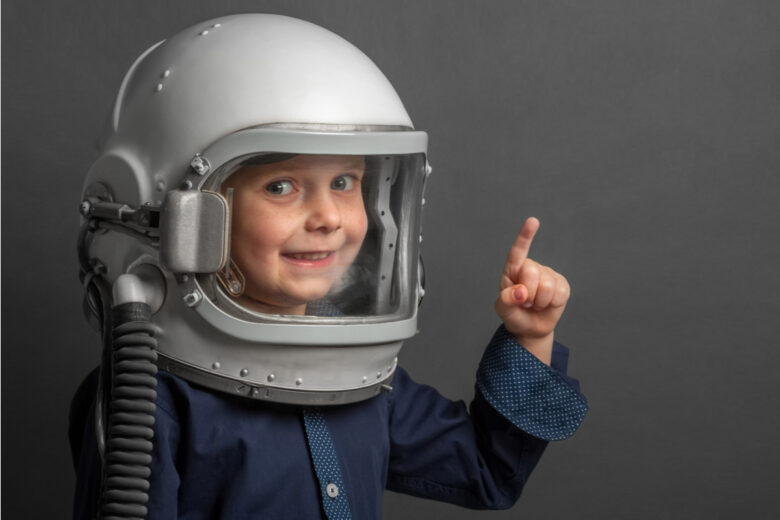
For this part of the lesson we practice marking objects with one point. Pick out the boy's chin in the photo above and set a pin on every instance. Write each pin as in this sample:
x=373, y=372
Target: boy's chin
x=284, y=304
x=304, y=295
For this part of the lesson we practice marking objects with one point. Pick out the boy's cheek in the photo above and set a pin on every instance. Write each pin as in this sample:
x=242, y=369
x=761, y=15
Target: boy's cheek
x=360, y=219
x=363, y=230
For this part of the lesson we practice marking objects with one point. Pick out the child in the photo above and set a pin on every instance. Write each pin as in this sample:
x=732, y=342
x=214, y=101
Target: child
x=277, y=280
x=297, y=226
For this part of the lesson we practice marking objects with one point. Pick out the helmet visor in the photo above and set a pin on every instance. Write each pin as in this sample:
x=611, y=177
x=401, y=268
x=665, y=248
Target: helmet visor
x=317, y=237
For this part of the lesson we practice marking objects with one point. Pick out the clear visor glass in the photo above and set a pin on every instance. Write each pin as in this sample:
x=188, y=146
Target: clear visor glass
x=328, y=236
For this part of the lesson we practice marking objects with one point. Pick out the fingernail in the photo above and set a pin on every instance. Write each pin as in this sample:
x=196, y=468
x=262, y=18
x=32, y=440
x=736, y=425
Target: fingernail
x=518, y=294
x=528, y=305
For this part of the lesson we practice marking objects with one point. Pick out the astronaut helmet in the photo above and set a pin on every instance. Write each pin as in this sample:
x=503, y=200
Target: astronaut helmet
x=263, y=183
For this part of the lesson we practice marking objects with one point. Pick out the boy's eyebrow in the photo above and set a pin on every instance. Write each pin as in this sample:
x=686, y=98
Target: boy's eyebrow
x=359, y=163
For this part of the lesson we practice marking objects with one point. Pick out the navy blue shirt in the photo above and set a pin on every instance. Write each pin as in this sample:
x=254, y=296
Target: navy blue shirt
x=223, y=456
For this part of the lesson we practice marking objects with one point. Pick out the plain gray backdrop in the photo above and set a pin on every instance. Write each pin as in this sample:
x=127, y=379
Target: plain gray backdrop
x=644, y=135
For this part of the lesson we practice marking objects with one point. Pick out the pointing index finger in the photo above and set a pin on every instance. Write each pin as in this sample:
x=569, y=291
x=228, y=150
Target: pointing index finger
x=519, y=250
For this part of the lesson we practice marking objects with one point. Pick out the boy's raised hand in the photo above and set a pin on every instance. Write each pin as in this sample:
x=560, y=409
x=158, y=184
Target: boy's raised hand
x=532, y=296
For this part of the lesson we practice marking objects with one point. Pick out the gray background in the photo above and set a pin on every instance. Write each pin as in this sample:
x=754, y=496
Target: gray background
x=645, y=137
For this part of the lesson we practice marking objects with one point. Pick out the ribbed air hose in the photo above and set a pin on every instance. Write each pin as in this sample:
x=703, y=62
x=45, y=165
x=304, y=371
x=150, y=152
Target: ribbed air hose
x=131, y=414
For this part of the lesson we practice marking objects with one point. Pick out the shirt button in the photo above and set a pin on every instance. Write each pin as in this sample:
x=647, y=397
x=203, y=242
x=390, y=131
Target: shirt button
x=332, y=490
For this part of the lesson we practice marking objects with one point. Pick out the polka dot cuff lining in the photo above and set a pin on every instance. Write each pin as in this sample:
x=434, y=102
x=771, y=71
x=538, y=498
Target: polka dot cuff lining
x=531, y=395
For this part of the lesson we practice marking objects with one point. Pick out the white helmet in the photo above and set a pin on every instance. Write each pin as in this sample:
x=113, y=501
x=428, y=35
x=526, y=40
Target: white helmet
x=250, y=90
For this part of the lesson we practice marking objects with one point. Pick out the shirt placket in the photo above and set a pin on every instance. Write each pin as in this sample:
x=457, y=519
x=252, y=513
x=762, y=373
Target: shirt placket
x=326, y=465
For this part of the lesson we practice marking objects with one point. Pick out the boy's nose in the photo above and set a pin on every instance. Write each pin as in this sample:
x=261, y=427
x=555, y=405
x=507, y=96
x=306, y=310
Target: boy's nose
x=324, y=213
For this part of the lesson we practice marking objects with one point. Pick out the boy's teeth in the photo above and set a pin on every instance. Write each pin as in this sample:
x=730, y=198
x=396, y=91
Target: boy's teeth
x=309, y=256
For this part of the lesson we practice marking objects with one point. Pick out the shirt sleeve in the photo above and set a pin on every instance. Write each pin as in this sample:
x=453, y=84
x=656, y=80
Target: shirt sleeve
x=537, y=398
x=164, y=480
x=480, y=459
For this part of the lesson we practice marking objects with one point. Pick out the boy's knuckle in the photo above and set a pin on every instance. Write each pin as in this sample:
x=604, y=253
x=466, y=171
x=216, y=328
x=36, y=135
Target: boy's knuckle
x=531, y=271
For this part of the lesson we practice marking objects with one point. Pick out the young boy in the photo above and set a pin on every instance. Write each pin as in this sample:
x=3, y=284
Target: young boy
x=276, y=281
x=297, y=226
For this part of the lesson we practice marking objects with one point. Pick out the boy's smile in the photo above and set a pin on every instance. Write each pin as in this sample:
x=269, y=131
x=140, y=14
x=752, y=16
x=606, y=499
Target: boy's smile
x=297, y=225
x=314, y=259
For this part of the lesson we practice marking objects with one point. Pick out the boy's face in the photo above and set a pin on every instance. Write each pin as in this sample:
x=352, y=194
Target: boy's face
x=297, y=226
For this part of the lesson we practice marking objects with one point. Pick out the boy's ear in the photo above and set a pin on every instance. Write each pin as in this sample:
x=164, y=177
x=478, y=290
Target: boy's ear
x=194, y=231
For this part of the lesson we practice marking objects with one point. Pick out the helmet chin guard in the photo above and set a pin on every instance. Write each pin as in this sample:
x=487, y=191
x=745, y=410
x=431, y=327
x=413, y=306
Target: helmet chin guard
x=264, y=96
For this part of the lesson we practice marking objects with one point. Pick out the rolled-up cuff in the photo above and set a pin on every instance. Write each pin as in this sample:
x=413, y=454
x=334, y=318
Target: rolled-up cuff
x=538, y=399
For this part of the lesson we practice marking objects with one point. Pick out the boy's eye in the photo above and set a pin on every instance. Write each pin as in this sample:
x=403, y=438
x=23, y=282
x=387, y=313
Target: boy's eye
x=342, y=183
x=279, y=188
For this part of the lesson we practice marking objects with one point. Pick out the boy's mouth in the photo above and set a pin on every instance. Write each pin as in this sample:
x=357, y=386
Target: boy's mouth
x=310, y=259
x=319, y=255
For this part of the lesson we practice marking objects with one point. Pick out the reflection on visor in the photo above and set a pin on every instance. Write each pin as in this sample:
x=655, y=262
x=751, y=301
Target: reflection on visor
x=321, y=235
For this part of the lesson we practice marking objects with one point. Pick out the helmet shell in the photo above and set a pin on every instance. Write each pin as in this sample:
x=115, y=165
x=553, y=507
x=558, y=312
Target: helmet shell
x=225, y=75
x=218, y=88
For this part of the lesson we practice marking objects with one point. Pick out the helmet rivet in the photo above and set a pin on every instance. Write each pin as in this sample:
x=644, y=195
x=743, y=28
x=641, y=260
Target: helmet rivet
x=192, y=299
x=365, y=379
x=204, y=32
x=271, y=377
x=158, y=88
x=299, y=381
x=200, y=164
x=244, y=372
x=378, y=375
x=215, y=365
x=166, y=73
x=85, y=207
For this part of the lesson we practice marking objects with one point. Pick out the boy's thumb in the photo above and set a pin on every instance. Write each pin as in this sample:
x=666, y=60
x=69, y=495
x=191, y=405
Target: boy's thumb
x=514, y=295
